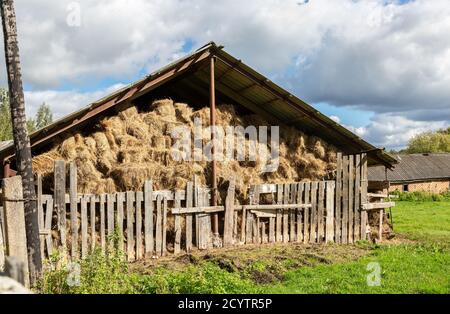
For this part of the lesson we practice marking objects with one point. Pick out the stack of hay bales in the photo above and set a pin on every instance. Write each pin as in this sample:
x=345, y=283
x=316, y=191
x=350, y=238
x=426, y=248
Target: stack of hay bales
x=134, y=146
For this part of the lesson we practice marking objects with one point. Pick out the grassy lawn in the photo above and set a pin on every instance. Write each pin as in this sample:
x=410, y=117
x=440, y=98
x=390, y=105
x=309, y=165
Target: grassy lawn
x=417, y=260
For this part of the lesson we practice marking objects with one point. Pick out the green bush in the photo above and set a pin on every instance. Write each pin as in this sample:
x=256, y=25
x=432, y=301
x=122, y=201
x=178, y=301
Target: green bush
x=422, y=196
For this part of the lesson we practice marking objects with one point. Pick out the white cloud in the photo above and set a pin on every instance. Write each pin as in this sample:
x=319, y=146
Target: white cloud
x=376, y=55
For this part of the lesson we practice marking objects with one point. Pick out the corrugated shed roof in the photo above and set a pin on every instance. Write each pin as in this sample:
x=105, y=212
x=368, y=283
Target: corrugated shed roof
x=414, y=167
x=234, y=79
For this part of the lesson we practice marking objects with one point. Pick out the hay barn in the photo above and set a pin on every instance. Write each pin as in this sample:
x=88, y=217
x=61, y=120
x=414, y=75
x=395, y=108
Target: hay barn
x=415, y=172
x=123, y=139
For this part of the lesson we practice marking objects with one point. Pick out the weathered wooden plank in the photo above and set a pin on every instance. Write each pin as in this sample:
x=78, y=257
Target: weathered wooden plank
x=271, y=207
x=235, y=228
x=357, y=202
x=345, y=209
x=110, y=199
x=120, y=198
x=292, y=227
x=177, y=246
x=148, y=218
x=256, y=220
x=60, y=202
x=380, y=225
x=40, y=209
x=189, y=202
x=102, y=222
x=84, y=227
x=313, y=220
x=250, y=217
x=299, y=200
x=197, y=202
x=364, y=185
x=48, y=225
x=338, y=202
x=272, y=229
x=139, y=244
x=306, y=213
x=377, y=195
x=286, y=199
x=158, y=236
x=380, y=205
x=164, y=228
x=93, y=223
x=279, y=219
x=3, y=248
x=320, y=213
x=263, y=232
x=197, y=210
x=130, y=198
x=243, y=225
x=229, y=215
x=73, y=198
x=264, y=214
x=329, y=204
x=14, y=215
x=351, y=208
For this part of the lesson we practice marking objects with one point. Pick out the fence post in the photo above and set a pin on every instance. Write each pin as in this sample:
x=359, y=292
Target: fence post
x=60, y=200
x=229, y=216
x=14, y=215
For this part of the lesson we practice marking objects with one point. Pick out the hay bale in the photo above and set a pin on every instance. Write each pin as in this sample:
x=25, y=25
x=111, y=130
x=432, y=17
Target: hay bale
x=134, y=146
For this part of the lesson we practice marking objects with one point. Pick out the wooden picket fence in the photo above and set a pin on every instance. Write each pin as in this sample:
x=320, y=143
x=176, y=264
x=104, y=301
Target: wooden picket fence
x=151, y=223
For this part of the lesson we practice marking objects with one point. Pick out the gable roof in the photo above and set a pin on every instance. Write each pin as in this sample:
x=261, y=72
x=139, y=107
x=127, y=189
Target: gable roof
x=235, y=81
x=414, y=167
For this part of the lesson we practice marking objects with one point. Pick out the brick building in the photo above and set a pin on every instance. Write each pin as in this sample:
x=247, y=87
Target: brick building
x=415, y=172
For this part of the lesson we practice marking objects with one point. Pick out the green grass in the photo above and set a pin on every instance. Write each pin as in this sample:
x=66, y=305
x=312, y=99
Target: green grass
x=423, y=221
x=419, y=264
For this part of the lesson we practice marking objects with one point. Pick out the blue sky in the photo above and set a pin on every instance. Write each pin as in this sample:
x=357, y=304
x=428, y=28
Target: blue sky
x=381, y=68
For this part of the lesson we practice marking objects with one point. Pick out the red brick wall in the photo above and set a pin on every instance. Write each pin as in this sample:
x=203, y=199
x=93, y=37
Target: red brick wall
x=434, y=186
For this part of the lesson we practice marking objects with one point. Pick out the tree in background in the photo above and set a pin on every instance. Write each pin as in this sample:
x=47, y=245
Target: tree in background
x=43, y=117
x=430, y=142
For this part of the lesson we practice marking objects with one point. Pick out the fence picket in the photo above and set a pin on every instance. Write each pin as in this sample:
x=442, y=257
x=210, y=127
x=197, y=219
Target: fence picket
x=102, y=222
x=320, y=213
x=351, y=209
x=189, y=201
x=158, y=236
x=139, y=200
x=120, y=197
x=93, y=218
x=363, y=195
x=338, y=212
x=164, y=228
x=293, y=200
x=313, y=225
x=110, y=198
x=130, y=196
x=60, y=201
x=357, y=226
x=48, y=225
x=306, y=212
x=148, y=218
x=177, y=246
x=300, y=189
x=84, y=227
x=345, y=208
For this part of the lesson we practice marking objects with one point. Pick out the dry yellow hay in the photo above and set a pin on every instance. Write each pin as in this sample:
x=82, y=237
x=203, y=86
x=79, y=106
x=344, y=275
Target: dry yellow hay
x=134, y=146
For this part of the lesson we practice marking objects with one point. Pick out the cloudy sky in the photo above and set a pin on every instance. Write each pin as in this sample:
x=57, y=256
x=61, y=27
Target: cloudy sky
x=380, y=67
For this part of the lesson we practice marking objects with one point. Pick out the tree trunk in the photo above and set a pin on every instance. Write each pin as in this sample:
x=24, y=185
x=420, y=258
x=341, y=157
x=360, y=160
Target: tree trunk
x=21, y=138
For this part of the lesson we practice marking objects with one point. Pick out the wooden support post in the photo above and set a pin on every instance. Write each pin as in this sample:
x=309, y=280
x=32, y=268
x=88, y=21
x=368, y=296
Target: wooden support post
x=84, y=227
x=14, y=215
x=313, y=225
x=212, y=110
x=158, y=236
x=189, y=203
x=139, y=200
x=48, y=225
x=110, y=199
x=73, y=198
x=40, y=209
x=345, y=194
x=364, y=185
x=102, y=222
x=320, y=213
x=306, y=213
x=177, y=246
x=357, y=225
x=338, y=212
x=229, y=215
x=300, y=189
x=120, y=197
x=60, y=201
x=351, y=208
x=130, y=225
x=279, y=213
x=92, y=217
x=148, y=218
x=330, y=190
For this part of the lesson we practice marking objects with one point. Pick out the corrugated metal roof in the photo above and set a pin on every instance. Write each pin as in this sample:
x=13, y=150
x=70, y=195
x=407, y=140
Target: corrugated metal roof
x=414, y=167
x=234, y=79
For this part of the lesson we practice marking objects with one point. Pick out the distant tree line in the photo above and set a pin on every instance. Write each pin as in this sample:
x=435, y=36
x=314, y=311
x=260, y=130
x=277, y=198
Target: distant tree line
x=428, y=142
x=43, y=117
